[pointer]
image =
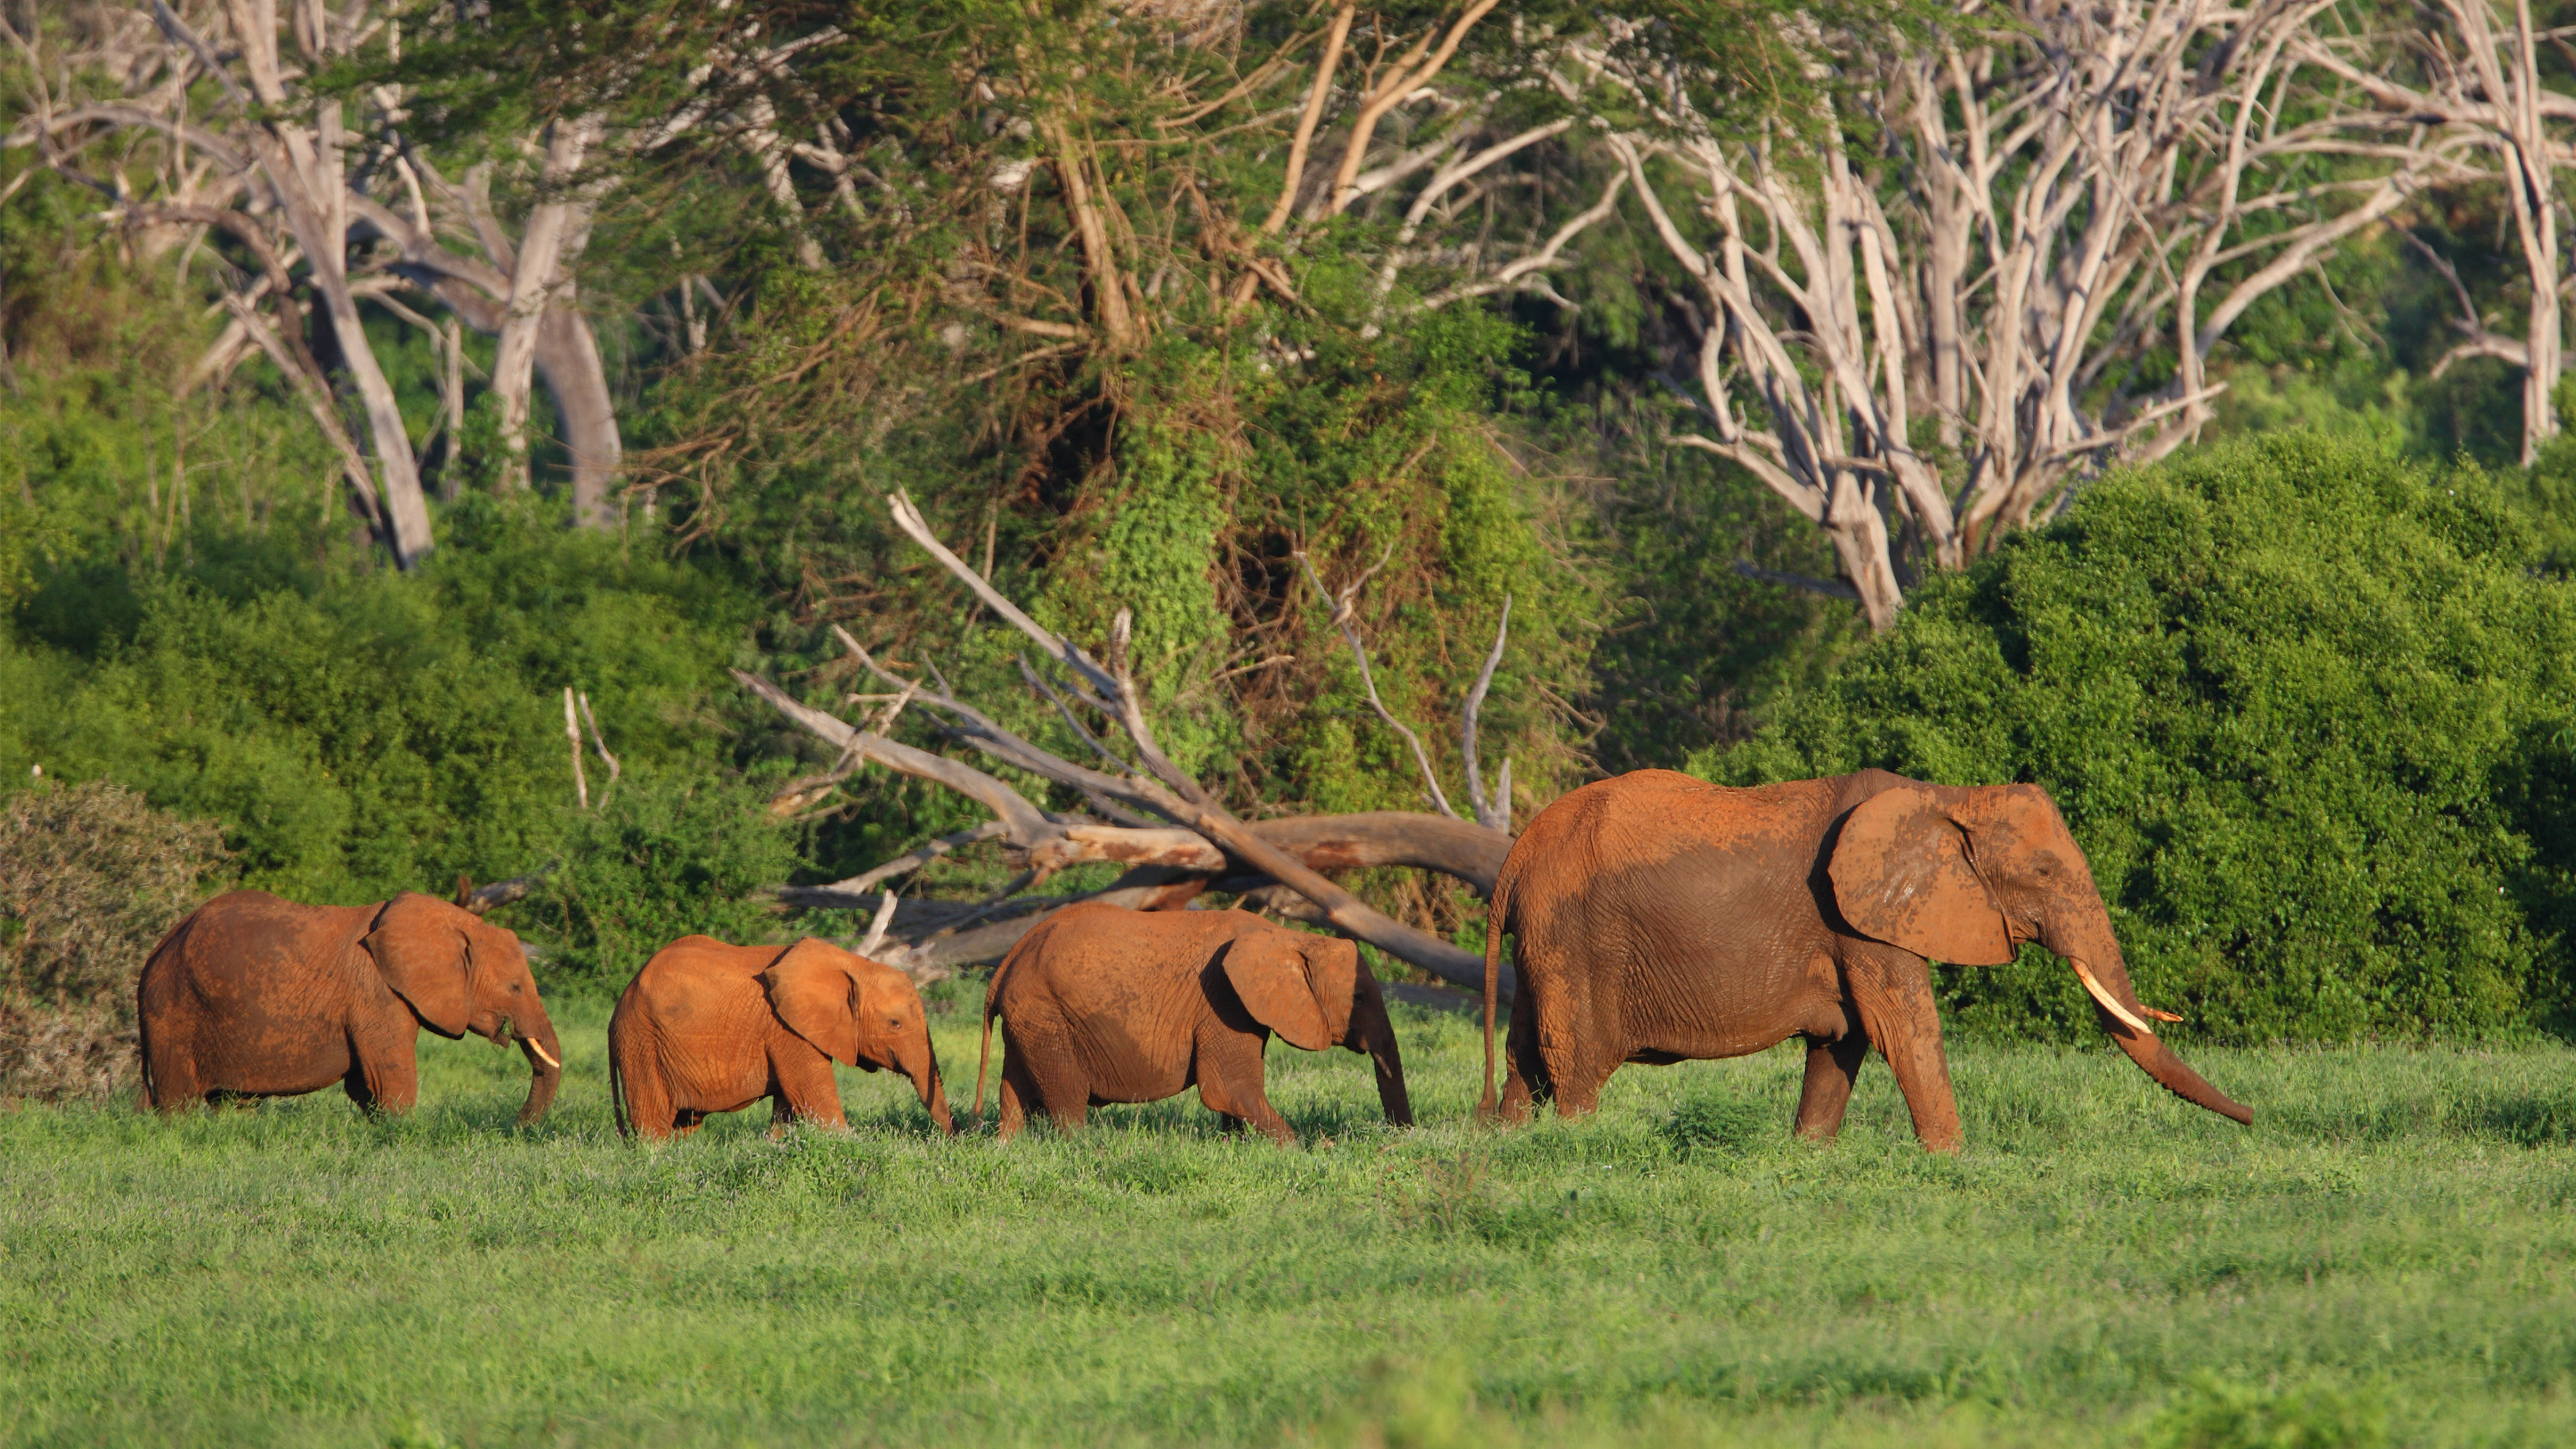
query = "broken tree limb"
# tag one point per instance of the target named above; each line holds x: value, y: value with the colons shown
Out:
x: 572, y: 732
x: 1494, y: 813
x: 1343, y: 614
x: 1020, y: 820
x: 1171, y: 793
x: 914, y: 859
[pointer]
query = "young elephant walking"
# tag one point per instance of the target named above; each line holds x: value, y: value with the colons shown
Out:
x: 260, y: 997
x: 1102, y: 1004
x: 711, y: 1027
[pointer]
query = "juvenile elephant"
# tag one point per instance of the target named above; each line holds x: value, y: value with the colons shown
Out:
x: 711, y: 1027
x: 1661, y: 919
x: 261, y: 997
x: 1102, y: 1004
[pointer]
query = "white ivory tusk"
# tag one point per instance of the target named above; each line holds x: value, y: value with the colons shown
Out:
x: 2109, y: 1002
x: 543, y: 1055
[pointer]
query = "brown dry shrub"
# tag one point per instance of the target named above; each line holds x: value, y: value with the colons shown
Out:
x: 91, y: 878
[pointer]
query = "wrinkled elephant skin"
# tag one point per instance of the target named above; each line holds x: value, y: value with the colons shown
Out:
x: 1102, y: 1004
x: 1660, y: 919
x: 711, y: 1027
x: 254, y: 996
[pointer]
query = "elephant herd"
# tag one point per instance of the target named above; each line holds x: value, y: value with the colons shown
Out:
x: 1657, y: 919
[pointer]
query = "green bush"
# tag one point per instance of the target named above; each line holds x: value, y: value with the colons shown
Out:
x: 358, y: 732
x: 659, y: 859
x: 2306, y: 707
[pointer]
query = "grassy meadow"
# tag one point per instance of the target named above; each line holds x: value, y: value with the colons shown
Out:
x: 2388, y: 1256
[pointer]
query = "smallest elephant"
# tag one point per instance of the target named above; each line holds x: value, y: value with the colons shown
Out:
x: 712, y: 1027
x: 1102, y: 1004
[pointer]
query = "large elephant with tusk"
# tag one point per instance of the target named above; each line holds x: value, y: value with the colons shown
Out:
x: 1658, y: 919
x: 254, y: 996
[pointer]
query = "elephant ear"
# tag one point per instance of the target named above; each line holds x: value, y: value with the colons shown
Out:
x: 1902, y: 875
x: 419, y: 946
x: 1269, y: 972
x: 812, y: 990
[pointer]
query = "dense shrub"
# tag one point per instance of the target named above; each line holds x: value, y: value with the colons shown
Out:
x: 2306, y: 707
x: 660, y: 859
x: 360, y: 733
x: 91, y: 877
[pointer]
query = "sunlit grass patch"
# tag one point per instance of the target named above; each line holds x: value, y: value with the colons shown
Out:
x: 2387, y: 1251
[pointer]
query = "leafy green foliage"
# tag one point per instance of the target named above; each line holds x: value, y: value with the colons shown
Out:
x: 361, y: 733
x: 2219, y: 1414
x: 2306, y: 707
x: 664, y: 856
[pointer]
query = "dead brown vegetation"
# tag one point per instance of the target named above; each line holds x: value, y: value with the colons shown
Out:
x: 91, y: 878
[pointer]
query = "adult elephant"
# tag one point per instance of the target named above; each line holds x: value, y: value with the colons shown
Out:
x: 1102, y: 1004
x: 711, y: 1027
x: 1662, y: 919
x: 260, y: 997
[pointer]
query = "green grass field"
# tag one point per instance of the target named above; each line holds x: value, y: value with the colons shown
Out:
x: 2384, y: 1257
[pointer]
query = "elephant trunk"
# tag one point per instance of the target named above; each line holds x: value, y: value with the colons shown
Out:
x: 2095, y: 955
x: 924, y: 1072
x: 1371, y: 1031
x: 544, y: 1051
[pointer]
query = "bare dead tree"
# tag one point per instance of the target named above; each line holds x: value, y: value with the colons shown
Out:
x: 2048, y: 193
x: 1176, y: 838
x: 2478, y: 74
x: 300, y: 182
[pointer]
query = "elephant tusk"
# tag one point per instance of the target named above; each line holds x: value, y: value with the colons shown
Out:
x: 2159, y: 1015
x: 543, y: 1055
x: 2109, y: 1002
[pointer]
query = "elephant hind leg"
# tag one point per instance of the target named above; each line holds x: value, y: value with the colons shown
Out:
x: 1525, y: 1080
x: 1041, y: 1068
x: 1017, y: 1093
x: 171, y: 1081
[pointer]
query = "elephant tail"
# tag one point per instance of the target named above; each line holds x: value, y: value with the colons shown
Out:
x: 618, y: 1107
x: 1497, y: 916
x: 992, y: 1003
x: 143, y: 1049
x: 145, y: 1010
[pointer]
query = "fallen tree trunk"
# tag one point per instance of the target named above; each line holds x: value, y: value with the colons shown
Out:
x: 1199, y: 844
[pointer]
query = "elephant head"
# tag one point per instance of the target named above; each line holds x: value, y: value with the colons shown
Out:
x: 1315, y: 992
x: 460, y: 973
x: 1964, y: 876
x: 859, y: 1012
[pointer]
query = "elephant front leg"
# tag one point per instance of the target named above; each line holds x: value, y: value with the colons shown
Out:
x: 384, y: 1068
x: 1831, y: 1067
x: 1227, y: 1065
x: 803, y: 1089
x: 1041, y: 1069
x: 1894, y: 993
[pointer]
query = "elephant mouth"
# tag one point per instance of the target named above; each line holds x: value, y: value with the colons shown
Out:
x: 509, y: 1032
